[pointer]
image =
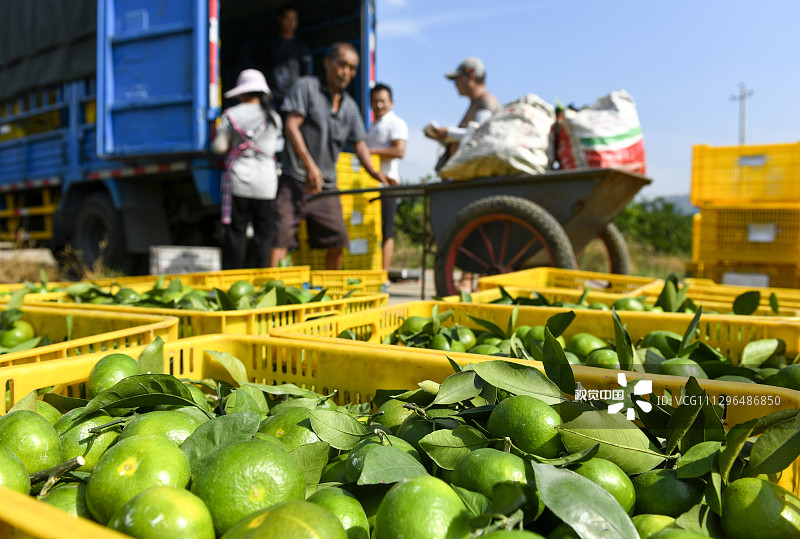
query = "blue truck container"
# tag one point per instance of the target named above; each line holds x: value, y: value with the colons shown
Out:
x: 106, y: 164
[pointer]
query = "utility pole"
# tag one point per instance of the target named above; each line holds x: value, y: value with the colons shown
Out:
x: 744, y: 94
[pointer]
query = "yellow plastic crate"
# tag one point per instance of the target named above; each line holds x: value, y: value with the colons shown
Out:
x: 362, y: 217
x: 745, y: 174
x: 356, y: 374
x: 370, y: 281
x: 729, y: 333
x: 751, y: 275
x: 572, y: 279
x: 92, y: 331
x: 708, y: 289
x: 762, y: 234
x: 239, y: 322
x: 649, y: 295
x: 697, y: 223
x: 297, y: 276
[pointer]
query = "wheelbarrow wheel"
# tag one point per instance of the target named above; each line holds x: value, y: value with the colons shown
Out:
x: 499, y: 234
x: 618, y: 257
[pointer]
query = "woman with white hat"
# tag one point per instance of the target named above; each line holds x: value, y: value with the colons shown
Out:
x: 247, y: 135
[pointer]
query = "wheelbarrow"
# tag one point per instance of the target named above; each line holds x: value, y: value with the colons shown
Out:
x: 497, y: 225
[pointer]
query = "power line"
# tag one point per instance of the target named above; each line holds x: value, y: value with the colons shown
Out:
x: 744, y: 94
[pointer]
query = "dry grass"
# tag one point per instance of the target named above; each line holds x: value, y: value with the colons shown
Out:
x: 19, y: 265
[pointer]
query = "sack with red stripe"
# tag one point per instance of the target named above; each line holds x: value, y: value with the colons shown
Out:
x: 606, y: 134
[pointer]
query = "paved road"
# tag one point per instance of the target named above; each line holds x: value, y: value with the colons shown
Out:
x: 401, y: 292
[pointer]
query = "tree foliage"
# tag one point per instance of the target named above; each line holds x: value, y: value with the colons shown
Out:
x: 657, y: 223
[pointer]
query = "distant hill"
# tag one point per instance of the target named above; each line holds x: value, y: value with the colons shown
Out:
x: 681, y: 203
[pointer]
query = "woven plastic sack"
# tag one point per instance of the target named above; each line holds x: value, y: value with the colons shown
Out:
x: 606, y: 134
x: 515, y: 140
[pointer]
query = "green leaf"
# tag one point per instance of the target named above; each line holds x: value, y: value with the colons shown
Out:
x: 698, y: 460
x: 387, y: 464
x: 477, y: 504
x: 491, y: 327
x: 458, y: 387
x: 566, y: 460
x: 232, y: 364
x: 713, y: 494
x: 701, y: 520
x: 284, y: 389
x: 69, y: 320
x: 755, y: 353
x: 446, y: 447
x: 776, y: 448
x: 43, y: 277
x: 556, y: 365
x: 64, y: 404
x: 747, y: 303
x: 28, y: 402
x: 340, y: 430
x: 466, y: 297
x: 558, y: 323
x: 585, y: 506
x: 240, y: 401
x: 628, y: 359
x: 773, y: 303
x: 688, y: 336
x: 312, y: 459
x: 151, y: 360
x: 223, y: 299
x: 30, y: 344
x: 141, y: 390
x: 268, y: 300
x: 620, y: 440
x: 518, y: 379
x: 667, y: 299
x: 685, y: 415
x: 17, y: 299
x: 216, y: 434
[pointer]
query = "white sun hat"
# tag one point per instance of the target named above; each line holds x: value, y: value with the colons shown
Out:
x: 249, y: 81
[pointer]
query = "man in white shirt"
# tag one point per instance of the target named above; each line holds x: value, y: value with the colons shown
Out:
x: 387, y: 138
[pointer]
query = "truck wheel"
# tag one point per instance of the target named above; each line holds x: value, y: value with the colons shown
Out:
x: 500, y: 234
x: 618, y: 257
x: 97, y: 233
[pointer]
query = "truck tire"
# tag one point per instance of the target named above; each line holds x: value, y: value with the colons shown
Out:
x: 500, y: 234
x: 97, y: 233
x: 618, y: 256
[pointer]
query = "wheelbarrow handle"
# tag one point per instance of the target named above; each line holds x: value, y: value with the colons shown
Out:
x: 392, y: 191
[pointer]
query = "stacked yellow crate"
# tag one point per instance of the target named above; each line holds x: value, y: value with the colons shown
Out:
x: 749, y: 232
x: 362, y: 216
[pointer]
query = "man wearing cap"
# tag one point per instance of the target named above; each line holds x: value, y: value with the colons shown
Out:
x: 320, y: 118
x: 470, y: 80
x: 247, y: 135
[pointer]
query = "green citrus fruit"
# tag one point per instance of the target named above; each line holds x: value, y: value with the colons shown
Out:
x: 488, y: 338
x: 604, y: 358
x: 484, y: 349
x: 370, y: 498
x: 466, y: 337
x: 241, y: 289
x: 628, y: 304
x: 67, y: 421
x: 584, y: 344
x: 48, y: 411
x: 70, y: 498
x: 413, y: 324
x: 648, y: 525
x: 76, y: 440
x: 246, y: 477
x: 734, y: 378
x: 110, y: 370
x: 788, y: 377
x: 512, y: 534
x: 440, y: 342
x: 598, y: 306
x: 563, y: 531
x: 660, y: 492
x: 522, y: 331
x: 296, y: 519
x: 666, y: 342
x: 530, y: 423
x: 126, y: 295
x: 752, y: 507
x: 17, y: 334
x: 681, y: 367
x: 611, y: 477
x: 393, y: 414
x: 173, y: 425
x: 572, y: 359
x: 198, y: 397
x: 456, y: 346
x: 130, y: 467
x: 164, y: 512
x: 537, y: 334
x: 422, y: 507
x: 32, y: 438
x: 13, y: 474
x: 354, y: 462
x: 413, y: 429
x: 677, y: 533
x: 346, y: 508
x: 292, y: 427
x: 482, y: 470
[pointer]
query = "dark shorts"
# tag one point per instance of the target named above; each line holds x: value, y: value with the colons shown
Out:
x: 323, y: 217
x: 388, y: 211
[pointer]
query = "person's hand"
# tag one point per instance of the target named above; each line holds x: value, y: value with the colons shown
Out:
x: 313, y: 179
x: 384, y: 179
x: 441, y: 134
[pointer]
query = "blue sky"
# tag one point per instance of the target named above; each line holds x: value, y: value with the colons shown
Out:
x: 681, y: 61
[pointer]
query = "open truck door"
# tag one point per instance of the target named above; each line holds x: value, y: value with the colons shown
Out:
x: 154, y: 78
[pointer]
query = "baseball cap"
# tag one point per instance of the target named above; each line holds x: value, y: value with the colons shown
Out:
x: 469, y: 65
